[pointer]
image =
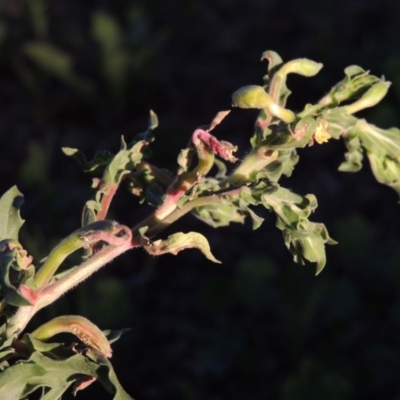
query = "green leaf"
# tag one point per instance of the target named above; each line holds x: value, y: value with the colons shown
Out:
x: 7, y: 350
x: 11, y: 221
x: 382, y: 142
x: 57, y: 63
x: 114, y: 335
x: 120, y: 393
x: 339, y: 121
x: 37, y: 345
x: 257, y: 221
x: 219, y: 215
x: 178, y: 242
x: 356, y: 82
x: 273, y: 58
x: 96, y: 166
x: 386, y: 170
x: 383, y: 151
x: 9, y: 290
x: 14, y: 380
x: 105, y: 29
x: 305, y: 240
x: 354, y: 154
x: 40, y: 371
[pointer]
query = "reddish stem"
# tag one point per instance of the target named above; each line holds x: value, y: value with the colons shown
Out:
x: 106, y: 201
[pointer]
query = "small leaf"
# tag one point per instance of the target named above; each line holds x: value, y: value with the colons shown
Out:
x: 10, y: 291
x: 218, y: 119
x: 11, y: 221
x: 219, y: 215
x: 114, y: 335
x: 273, y: 58
x: 96, y: 166
x: 178, y: 242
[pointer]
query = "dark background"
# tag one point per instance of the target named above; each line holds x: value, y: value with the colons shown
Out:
x: 258, y: 326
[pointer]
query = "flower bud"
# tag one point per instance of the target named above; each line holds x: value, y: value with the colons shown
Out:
x: 301, y: 66
x: 253, y: 96
x: 79, y: 326
x: 370, y: 98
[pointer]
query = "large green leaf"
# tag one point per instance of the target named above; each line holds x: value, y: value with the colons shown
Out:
x: 40, y: 371
x: 305, y: 239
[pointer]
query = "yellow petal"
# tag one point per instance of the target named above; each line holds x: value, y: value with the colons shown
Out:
x: 321, y: 134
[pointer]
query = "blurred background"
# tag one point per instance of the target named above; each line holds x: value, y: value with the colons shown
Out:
x: 82, y: 73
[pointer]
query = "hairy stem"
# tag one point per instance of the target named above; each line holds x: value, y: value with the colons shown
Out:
x: 254, y: 162
x: 55, y: 290
x: 106, y: 201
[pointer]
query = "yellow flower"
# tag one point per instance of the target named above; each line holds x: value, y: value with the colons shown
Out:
x: 321, y: 134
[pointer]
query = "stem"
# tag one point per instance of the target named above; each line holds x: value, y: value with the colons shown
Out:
x: 105, y: 202
x: 275, y: 88
x: 254, y: 162
x: 179, y: 187
x: 83, y: 237
x: 55, y: 290
x: 189, y: 206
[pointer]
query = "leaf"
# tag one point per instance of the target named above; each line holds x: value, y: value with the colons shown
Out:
x: 96, y: 166
x: 257, y: 221
x: 305, y: 240
x: 178, y: 242
x: 14, y: 379
x: 353, y: 156
x: 9, y: 290
x: 11, y: 221
x: 57, y: 63
x: 120, y: 393
x: 382, y: 142
x: 105, y: 29
x: 40, y: 371
x: 339, y: 121
x: 386, y: 170
x: 6, y: 346
x: 219, y: 215
x: 115, y: 61
x: 114, y: 335
x: 273, y: 58
x: 37, y: 345
x: 308, y: 245
x: 356, y: 82
x: 383, y: 151
x: 79, y: 326
x: 218, y: 119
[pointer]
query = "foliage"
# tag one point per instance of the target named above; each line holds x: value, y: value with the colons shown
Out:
x: 217, y: 196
